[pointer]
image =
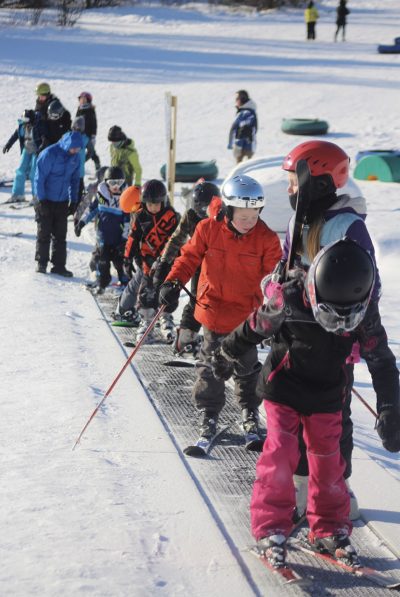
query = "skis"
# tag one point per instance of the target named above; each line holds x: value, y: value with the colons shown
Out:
x: 20, y: 205
x: 203, y: 445
x: 379, y: 578
x: 6, y: 182
x: 302, y: 203
x: 253, y: 442
x: 180, y: 362
x: 125, y: 324
x: 288, y: 575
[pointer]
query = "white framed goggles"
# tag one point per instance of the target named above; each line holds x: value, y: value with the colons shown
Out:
x: 115, y: 182
x: 335, y: 318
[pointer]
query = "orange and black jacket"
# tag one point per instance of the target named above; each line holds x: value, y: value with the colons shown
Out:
x: 149, y: 235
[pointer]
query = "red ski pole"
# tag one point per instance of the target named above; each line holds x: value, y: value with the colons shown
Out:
x: 365, y: 403
x: 112, y: 386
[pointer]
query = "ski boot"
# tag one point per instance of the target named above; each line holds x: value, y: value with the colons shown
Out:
x: 273, y: 549
x: 167, y: 327
x: 130, y: 317
x: 146, y: 316
x: 187, y: 341
x: 250, y: 420
x: 208, y: 424
x: 337, y: 546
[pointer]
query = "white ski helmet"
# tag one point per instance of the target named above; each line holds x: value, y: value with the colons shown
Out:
x: 243, y: 191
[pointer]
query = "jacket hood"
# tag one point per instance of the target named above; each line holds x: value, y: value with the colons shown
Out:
x: 70, y: 140
x: 251, y: 105
x: 347, y: 203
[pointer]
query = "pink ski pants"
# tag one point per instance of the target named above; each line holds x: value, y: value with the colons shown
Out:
x: 273, y: 499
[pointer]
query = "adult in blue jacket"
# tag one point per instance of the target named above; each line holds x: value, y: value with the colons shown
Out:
x: 56, y: 188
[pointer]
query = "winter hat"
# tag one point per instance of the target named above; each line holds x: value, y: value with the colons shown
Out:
x: 42, y: 89
x: 79, y: 124
x: 115, y: 134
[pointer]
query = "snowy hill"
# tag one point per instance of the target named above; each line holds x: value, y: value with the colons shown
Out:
x: 120, y: 515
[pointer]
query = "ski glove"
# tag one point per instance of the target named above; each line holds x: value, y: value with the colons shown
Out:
x: 72, y: 208
x: 388, y: 428
x: 221, y: 365
x: 78, y: 228
x: 169, y: 293
x: 6, y: 148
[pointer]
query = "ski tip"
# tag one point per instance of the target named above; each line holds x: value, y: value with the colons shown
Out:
x: 195, y: 451
x: 255, y: 445
x: 178, y: 363
x: 130, y: 344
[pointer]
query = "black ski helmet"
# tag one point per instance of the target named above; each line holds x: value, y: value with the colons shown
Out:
x: 154, y: 191
x: 114, y: 176
x: 55, y: 110
x: 339, y: 285
x: 202, y: 195
x: 28, y: 116
x: 116, y: 134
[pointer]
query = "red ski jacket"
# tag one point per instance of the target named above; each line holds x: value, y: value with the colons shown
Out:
x: 232, y: 267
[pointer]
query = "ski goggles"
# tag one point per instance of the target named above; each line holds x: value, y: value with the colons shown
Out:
x: 336, y: 318
x: 115, y: 182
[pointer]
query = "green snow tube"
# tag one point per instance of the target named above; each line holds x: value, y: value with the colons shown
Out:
x: 304, y: 126
x: 192, y: 171
x: 384, y: 167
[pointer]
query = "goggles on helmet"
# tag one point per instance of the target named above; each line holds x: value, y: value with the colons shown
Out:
x: 115, y: 182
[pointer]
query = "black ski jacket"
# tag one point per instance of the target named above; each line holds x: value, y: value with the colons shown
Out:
x: 305, y: 368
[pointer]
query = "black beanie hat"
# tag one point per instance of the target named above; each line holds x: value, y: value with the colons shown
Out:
x: 115, y: 134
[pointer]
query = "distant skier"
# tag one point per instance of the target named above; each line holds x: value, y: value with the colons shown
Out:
x: 311, y: 17
x: 313, y: 320
x: 341, y: 19
x: 124, y: 155
x: 87, y: 110
x: 242, y: 136
x: 234, y: 251
x: 112, y: 229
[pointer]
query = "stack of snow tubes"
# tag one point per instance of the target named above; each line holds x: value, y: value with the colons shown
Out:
x: 395, y: 49
x: 378, y: 165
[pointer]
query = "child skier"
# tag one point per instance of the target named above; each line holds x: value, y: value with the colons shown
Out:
x: 151, y: 228
x: 124, y: 155
x: 313, y: 321
x: 187, y: 338
x: 112, y: 228
x: 235, y: 252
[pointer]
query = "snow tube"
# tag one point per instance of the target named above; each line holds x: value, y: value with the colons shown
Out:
x: 384, y: 167
x: 362, y: 154
x: 304, y: 126
x: 397, y: 41
x: 192, y: 171
x: 389, y: 49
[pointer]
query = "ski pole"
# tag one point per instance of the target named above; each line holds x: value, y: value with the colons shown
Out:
x: 112, y: 386
x: 191, y: 295
x: 365, y: 403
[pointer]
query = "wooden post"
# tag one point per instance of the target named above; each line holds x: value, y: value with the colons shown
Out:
x: 171, y: 105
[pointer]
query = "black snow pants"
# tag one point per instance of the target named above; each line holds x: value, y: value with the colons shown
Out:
x: 51, y: 218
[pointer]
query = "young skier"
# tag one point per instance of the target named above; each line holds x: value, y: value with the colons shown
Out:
x: 151, y: 228
x: 313, y: 321
x: 124, y: 155
x: 234, y: 251
x: 112, y: 228
x: 203, y: 194
x: 242, y: 136
x: 330, y: 216
x: 88, y: 111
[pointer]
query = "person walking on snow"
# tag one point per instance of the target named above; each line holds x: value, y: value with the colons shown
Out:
x: 28, y: 134
x: 313, y: 320
x: 205, y: 197
x: 125, y: 156
x: 112, y: 229
x: 151, y: 228
x: 330, y: 216
x: 341, y: 18
x: 242, y: 136
x: 87, y: 110
x: 235, y: 251
x: 56, y: 187
x: 311, y: 17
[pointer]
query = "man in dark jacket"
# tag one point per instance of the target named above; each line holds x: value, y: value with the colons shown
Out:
x: 56, y: 120
x: 56, y: 189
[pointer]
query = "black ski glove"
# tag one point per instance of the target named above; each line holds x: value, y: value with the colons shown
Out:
x: 6, y: 148
x: 160, y: 272
x: 222, y: 366
x: 78, y: 228
x: 169, y: 293
x: 72, y: 208
x: 388, y: 428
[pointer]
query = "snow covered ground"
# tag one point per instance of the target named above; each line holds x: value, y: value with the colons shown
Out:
x: 120, y: 516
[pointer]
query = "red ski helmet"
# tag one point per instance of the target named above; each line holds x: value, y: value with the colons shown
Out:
x: 322, y: 157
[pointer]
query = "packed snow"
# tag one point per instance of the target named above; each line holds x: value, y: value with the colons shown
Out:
x: 120, y: 515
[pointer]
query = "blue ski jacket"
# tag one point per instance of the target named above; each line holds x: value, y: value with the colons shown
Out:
x: 58, y: 171
x: 244, y: 128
